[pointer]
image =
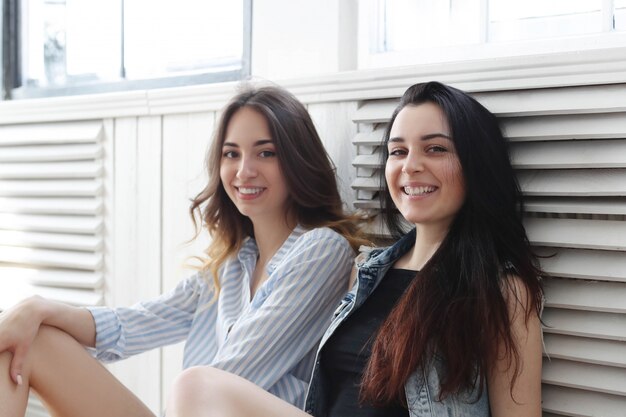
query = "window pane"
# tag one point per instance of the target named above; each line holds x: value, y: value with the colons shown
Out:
x: 540, y: 19
x: 181, y: 37
x: 68, y: 41
x: 415, y: 24
x: 67, y: 44
x: 620, y: 14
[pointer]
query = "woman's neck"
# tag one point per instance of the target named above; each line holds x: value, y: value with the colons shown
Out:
x: 427, y: 241
x: 269, y: 237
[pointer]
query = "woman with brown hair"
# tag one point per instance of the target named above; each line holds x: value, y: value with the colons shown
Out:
x: 443, y: 323
x: 279, y: 261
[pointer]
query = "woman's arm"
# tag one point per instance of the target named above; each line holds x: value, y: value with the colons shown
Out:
x: 19, y: 326
x: 125, y: 331
x: 524, y: 399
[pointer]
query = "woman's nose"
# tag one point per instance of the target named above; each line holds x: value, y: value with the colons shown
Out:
x: 413, y: 163
x: 247, y: 168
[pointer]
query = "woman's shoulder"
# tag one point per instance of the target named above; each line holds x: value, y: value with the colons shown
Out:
x: 322, y: 235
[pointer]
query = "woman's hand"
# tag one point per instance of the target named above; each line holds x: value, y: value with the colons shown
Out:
x: 18, y: 328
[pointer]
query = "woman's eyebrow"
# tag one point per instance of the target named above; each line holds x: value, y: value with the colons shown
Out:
x: 428, y: 136
x: 257, y: 143
x: 436, y: 135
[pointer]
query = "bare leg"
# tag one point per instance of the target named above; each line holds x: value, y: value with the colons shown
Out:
x: 13, y: 398
x: 68, y: 381
x: 208, y: 392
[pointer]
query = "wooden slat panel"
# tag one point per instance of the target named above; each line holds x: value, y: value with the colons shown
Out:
x: 611, y: 205
x: 50, y: 153
x: 51, y: 258
x: 580, y: 403
x: 585, y: 324
x: 35, y: 409
x: 378, y: 111
x: 367, y: 184
x: 575, y: 233
x: 56, y: 224
x: 366, y: 161
x: 580, y: 349
x: 76, y: 188
x: 373, y: 138
x: 54, y: 278
x: 51, y: 133
x: 574, y: 183
x: 61, y: 206
x: 585, y: 264
x: 70, y: 296
x: 51, y: 240
x: 569, y: 154
x: 584, y: 234
x: 605, y: 379
x: 580, y: 126
x: 50, y: 170
x: 555, y: 101
x: 76, y: 297
x: 586, y: 295
x: 367, y: 204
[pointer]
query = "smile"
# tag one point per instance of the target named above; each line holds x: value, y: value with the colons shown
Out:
x: 415, y: 191
x: 250, y: 190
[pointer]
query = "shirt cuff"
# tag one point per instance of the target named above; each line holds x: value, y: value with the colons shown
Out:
x: 107, y: 333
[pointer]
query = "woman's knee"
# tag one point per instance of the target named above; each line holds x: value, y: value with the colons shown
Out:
x: 194, y: 384
x: 202, y: 391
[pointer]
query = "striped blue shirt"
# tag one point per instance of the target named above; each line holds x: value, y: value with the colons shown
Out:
x: 270, y: 340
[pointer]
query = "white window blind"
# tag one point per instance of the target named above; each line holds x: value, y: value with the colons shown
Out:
x: 51, y: 223
x: 569, y: 150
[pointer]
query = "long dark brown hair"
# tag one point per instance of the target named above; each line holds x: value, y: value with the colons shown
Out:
x: 457, y: 308
x: 305, y: 165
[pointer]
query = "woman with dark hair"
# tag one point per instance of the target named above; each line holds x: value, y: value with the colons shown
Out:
x: 446, y: 321
x: 278, y: 263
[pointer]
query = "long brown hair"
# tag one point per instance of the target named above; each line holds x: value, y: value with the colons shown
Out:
x: 456, y: 308
x: 307, y: 168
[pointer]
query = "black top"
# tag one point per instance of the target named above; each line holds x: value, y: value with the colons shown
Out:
x: 348, y: 350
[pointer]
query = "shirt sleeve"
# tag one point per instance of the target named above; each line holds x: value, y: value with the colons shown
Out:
x: 126, y: 331
x: 290, y: 311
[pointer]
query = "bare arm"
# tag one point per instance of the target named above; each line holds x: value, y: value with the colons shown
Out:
x: 75, y: 321
x: 524, y: 400
x: 19, y: 326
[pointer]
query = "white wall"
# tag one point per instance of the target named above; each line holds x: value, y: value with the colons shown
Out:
x: 293, y: 39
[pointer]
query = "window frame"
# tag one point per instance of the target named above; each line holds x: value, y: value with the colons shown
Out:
x: 11, y: 71
x: 371, y: 55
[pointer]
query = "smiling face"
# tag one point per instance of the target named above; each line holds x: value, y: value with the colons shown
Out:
x: 250, y: 170
x: 423, y: 172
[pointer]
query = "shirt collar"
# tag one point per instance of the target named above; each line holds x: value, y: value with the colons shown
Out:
x: 249, y: 250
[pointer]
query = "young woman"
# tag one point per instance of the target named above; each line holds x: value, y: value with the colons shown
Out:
x: 278, y: 263
x: 446, y: 321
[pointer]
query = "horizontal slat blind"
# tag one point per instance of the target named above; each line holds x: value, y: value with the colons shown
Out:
x: 568, y: 146
x: 51, y: 212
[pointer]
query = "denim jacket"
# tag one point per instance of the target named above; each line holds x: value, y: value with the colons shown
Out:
x: 422, y: 387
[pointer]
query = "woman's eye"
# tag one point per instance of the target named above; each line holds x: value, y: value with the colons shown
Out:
x: 229, y: 154
x: 436, y: 149
x: 267, y: 154
x: 397, y: 152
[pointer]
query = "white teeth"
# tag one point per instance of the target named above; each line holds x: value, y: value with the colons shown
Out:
x: 419, y: 190
x: 255, y: 190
